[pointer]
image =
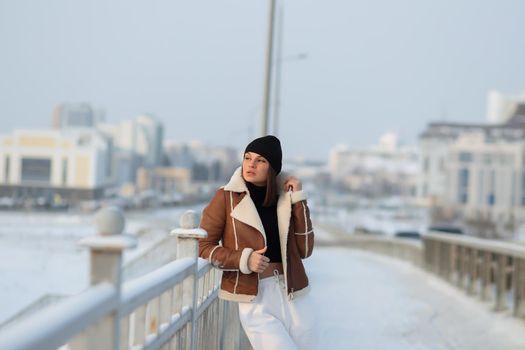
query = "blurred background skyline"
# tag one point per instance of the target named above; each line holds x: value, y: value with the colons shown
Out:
x: 198, y: 66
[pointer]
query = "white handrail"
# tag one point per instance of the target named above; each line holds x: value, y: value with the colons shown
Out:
x: 170, y: 306
x: 139, y: 291
x: 54, y: 326
x: 500, y: 247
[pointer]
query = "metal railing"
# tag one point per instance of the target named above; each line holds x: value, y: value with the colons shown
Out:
x: 173, y: 307
x: 494, y: 270
x: 404, y: 249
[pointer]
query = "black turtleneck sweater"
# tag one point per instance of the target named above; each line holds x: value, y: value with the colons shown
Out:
x: 268, y: 217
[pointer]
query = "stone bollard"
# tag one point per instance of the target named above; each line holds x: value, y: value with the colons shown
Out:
x: 188, y: 235
x: 106, y: 250
x: 188, y: 247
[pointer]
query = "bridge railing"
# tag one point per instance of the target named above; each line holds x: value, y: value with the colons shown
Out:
x: 173, y: 307
x: 408, y: 250
x: 494, y: 270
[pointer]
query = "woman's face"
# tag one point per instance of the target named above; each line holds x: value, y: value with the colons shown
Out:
x: 255, y: 168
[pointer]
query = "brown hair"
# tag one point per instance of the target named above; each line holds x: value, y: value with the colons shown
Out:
x: 271, y: 188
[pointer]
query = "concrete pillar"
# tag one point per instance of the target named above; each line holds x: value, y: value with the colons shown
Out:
x: 106, y: 266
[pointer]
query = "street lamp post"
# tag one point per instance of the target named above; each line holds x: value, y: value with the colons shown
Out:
x: 268, y: 79
x: 265, y: 117
x: 278, y: 71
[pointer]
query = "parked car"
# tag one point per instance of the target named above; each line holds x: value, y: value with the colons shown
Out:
x: 7, y: 203
x: 408, y: 234
x: 446, y: 229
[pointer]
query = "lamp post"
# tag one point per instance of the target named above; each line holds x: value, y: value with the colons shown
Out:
x: 278, y: 71
x: 268, y: 78
x: 265, y: 117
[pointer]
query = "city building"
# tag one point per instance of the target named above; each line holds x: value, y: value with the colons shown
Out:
x: 207, y: 163
x: 476, y: 169
x: 71, y: 115
x: 314, y: 176
x: 166, y: 181
x: 487, y: 177
x: 74, y: 164
x: 387, y: 168
x: 149, y: 139
x: 434, y: 145
x: 501, y: 107
x: 138, y: 143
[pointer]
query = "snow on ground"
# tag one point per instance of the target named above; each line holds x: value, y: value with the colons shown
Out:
x: 365, y: 301
x: 40, y: 255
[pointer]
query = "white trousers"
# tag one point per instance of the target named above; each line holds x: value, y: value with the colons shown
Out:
x: 273, y: 322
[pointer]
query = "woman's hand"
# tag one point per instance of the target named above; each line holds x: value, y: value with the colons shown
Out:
x: 257, y: 262
x: 292, y: 182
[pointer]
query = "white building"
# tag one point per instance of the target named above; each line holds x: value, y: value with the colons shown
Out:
x: 385, y: 169
x: 500, y: 107
x: 138, y: 143
x: 486, y: 176
x: 340, y: 161
x: 74, y: 164
x: 475, y: 169
x: 434, y: 148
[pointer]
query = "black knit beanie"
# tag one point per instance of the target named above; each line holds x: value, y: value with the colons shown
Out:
x: 270, y: 148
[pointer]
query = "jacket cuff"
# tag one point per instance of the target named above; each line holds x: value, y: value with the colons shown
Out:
x: 243, y: 262
x: 298, y: 196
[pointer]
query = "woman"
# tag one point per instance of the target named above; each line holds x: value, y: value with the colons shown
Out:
x: 259, y: 229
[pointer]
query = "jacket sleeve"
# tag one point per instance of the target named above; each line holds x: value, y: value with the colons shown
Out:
x: 210, y: 248
x: 302, y: 225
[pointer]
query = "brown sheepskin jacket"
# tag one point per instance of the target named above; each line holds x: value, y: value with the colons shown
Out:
x: 235, y: 230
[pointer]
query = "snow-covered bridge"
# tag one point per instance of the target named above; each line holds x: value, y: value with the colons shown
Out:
x: 368, y: 293
x: 370, y: 301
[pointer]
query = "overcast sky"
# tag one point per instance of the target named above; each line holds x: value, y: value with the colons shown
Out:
x: 198, y: 66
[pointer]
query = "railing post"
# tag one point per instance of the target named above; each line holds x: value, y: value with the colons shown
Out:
x: 501, y: 283
x: 106, y: 266
x: 427, y: 248
x: 473, y: 271
x: 436, y: 255
x: 452, y: 262
x: 486, y: 269
x: 188, y: 247
x: 519, y: 287
x: 462, y: 253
